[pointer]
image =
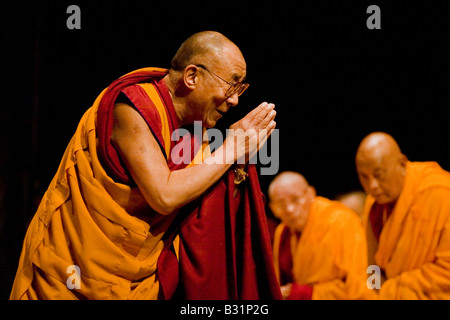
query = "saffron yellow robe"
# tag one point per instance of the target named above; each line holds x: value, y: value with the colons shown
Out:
x: 84, y: 220
x: 331, y: 253
x: 414, y: 244
x: 94, y: 220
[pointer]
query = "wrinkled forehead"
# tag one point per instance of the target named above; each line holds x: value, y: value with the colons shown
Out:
x: 363, y: 162
x: 231, y: 63
x: 374, y: 163
x: 369, y: 157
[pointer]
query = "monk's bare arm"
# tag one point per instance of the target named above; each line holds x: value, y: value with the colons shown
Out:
x: 164, y: 190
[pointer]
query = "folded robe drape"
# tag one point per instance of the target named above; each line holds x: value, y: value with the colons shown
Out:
x: 330, y: 255
x: 225, y: 250
x: 284, y: 244
x: 414, y: 243
x: 84, y: 220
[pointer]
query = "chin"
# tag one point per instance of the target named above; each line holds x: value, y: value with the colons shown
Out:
x: 210, y: 123
x: 298, y: 227
x: 383, y: 200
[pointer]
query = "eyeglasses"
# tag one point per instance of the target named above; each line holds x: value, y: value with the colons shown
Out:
x: 234, y: 87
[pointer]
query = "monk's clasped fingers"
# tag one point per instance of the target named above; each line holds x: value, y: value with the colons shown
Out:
x: 259, y: 119
x: 264, y: 116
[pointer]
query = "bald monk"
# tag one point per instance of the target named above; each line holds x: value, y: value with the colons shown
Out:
x: 114, y: 222
x: 407, y: 218
x: 354, y: 200
x: 320, y: 252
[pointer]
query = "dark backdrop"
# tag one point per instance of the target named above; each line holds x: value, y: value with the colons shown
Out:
x: 333, y: 81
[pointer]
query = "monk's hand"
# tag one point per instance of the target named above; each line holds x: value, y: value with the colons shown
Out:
x: 259, y: 118
x: 286, y: 290
x: 251, y: 132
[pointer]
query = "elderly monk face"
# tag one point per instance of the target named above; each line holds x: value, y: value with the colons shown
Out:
x: 221, y: 81
x: 206, y: 78
x: 381, y: 167
x: 290, y: 199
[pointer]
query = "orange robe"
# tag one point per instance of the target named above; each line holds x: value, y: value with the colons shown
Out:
x: 330, y: 255
x: 414, y: 243
x: 83, y: 220
x: 90, y: 219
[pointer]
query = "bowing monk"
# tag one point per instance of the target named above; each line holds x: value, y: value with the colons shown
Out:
x: 407, y: 218
x: 131, y: 215
x: 319, y: 247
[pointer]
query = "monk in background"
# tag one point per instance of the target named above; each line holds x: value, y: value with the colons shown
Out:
x: 407, y: 220
x: 354, y: 200
x: 320, y: 250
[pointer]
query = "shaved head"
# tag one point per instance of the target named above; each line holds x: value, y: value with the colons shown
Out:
x: 381, y: 167
x: 208, y: 70
x: 376, y: 146
x: 206, y: 44
x: 288, y: 178
x: 290, y: 198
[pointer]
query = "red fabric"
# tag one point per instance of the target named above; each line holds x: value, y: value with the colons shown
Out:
x: 147, y: 109
x: 168, y: 269
x: 225, y: 250
x: 376, y: 217
x: 285, y: 257
x: 106, y: 151
x: 300, y: 292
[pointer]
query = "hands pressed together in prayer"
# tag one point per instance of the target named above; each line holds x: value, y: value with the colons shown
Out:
x: 249, y: 134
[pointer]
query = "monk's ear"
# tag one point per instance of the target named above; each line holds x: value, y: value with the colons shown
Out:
x: 190, y: 76
x: 312, y: 191
x: 271, y: 207
x: 403, y: 160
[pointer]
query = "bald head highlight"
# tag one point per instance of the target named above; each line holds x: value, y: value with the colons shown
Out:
x: 193, y: 50
x: 287, y: 177
x: 377, y: 146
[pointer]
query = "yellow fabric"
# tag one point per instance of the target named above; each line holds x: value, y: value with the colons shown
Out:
x: 85, y: 219
x: 331, y: 253
x: 154, y: 96
x: 203, y: 152
x: 414, y: 245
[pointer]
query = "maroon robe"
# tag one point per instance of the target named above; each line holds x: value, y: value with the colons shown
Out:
x: 225, y: 250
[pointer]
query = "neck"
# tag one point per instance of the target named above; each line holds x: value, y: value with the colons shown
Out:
x: 179, y: 103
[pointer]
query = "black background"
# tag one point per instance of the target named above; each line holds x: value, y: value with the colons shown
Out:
x: 332, y: 79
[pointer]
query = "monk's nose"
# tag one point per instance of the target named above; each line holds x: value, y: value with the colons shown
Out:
x: 373, y: 185
x: 233, y: 100
x: 290, y: 208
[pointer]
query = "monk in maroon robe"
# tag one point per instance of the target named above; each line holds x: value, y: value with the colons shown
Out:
x: 124, y: 218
